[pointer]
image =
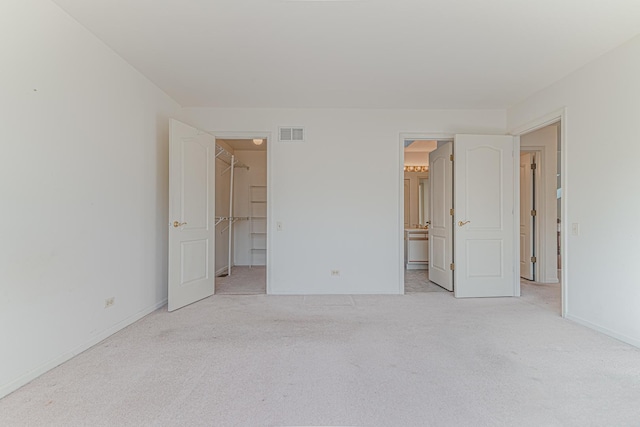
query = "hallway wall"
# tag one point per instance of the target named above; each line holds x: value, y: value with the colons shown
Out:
x: 601, y: 152
x: 84, y: 190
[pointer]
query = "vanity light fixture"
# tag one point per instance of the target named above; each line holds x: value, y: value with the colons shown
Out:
x: 416, y: 168
x: 258, y: 141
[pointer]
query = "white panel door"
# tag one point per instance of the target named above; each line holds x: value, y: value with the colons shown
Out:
x: 441, y: 228
x: 191, y: 212
x: 526, y: 219
x: 484, y: 216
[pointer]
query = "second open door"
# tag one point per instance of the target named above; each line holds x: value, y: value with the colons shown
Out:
x: 472, y: 236
x: 485, y: 253
x: 440, y: 205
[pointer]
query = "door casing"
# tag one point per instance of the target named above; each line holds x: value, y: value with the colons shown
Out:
x: 557, y: 116
x: 266, y: 135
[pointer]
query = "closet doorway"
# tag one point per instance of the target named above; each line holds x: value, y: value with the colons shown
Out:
x: 241, y: 215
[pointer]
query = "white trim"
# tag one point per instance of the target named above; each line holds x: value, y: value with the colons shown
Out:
x: 240, y: 135
x: 555, y: 117
x: 539, y: 123
x: 435, y: 136
x: 35, y: 373
x: 602, y: 329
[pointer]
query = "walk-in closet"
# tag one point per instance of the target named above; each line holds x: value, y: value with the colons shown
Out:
x: 241, y: 216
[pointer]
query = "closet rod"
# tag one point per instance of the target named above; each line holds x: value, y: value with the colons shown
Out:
x: 233, y: 161
x: 228, y: 158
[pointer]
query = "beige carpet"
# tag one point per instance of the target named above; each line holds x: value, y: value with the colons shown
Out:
x: 243, y: 281
x: 422, y: 359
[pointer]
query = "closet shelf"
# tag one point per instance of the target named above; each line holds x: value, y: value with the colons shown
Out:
x: 257, y: 228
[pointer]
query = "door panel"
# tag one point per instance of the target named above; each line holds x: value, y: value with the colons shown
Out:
x: 484, y: 221
x: 440, y: 231
x: 191, y: 212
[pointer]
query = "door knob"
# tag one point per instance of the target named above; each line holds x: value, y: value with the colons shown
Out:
x: 177, y: 224
x: 462, y: 224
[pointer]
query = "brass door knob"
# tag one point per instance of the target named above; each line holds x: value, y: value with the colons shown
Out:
x: 462, y: 224
x: 177, y: 224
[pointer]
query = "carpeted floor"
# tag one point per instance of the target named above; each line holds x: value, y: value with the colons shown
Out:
x: 422, y: 359
x: 252, y: 280
x: 243, y: 281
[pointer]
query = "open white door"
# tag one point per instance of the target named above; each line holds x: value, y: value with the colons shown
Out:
x: 484, y: 216
x: 441, y: 230
x: 191, y: 212
x: 526, y: 216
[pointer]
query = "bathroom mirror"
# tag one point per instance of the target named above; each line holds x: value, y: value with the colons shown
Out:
x: 416, y: 181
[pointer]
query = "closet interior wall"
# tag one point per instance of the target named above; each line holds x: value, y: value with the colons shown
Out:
x: 250, y: 201
x: 225, y: 218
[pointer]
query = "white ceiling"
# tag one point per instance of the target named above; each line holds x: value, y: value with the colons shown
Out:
x: 417, y: 153
x: 421, y: 146
x: 244, y: 144
x: 362, y: 54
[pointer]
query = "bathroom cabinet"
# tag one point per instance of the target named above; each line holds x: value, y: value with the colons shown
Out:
x: 416, y: 248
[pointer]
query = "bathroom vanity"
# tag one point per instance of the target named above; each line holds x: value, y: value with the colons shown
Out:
x: 416, y: 248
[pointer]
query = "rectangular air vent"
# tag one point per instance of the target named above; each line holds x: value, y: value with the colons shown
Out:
x: 291, y: 134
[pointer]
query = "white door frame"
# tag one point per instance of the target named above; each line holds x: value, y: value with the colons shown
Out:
x: 408, y: 135
x: 558, y: 116
x: 267, y: 137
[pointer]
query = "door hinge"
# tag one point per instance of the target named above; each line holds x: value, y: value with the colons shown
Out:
x: 451, y: 157
x: 452, y: 266
x: 534, y: 212
x: 534, y: 259
x: 534, y: 166
x: 451, y: 212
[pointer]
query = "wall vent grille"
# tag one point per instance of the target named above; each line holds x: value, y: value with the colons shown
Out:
x: 295, y: 134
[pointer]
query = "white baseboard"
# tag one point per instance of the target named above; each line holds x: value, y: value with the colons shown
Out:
x: 221, y: 270
x: 629, y: 340
x: 35, y: 373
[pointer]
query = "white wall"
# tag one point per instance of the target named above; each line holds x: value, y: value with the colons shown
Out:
x: 83, y: 184
x: 545, y: 140
x: 339, y: 210
x: 602, y: 149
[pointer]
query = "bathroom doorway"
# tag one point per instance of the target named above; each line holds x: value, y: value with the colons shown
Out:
x: 416, y: 204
